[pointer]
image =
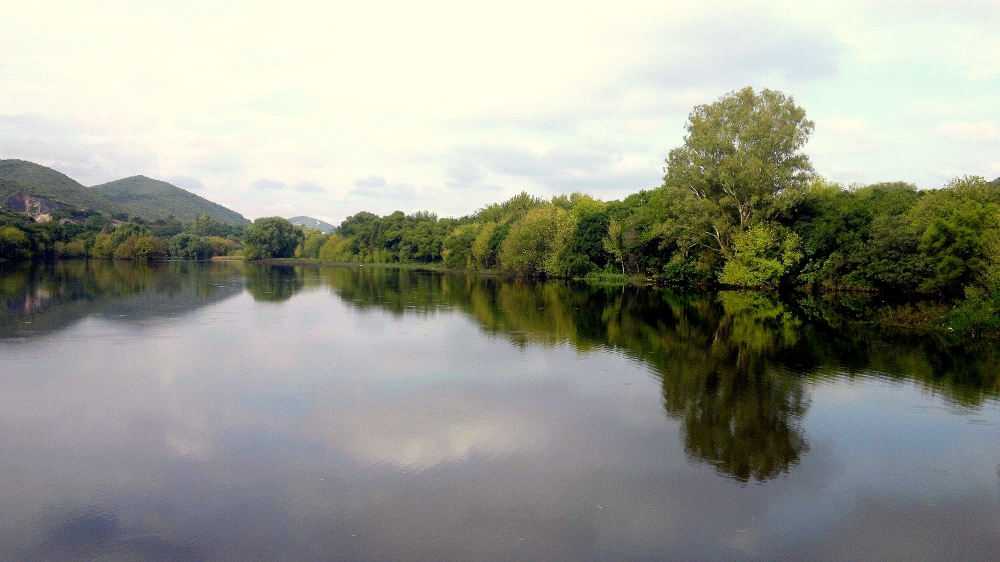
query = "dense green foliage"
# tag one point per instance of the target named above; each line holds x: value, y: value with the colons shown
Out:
x: 271, y: 237
x: 100, y: 237
x: 741, y: 161
x: 188, y: 246
x: 888, y: 236
x: 154, y: 199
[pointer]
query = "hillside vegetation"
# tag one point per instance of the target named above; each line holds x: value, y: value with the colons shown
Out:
x: 155, y: 199
x: 19, y: 177
x: 147, y: 219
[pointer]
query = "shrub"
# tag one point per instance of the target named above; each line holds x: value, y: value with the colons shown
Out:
x: 72, y: 249
x: 762, y: 255
x: 187, y: 246
x: 14, y: 245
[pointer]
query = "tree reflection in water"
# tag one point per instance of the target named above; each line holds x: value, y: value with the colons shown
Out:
x: 715, y: 353
x: 741, y: 413
x: 272, y: 284
x: 48, y: 297
x: 733, y: 364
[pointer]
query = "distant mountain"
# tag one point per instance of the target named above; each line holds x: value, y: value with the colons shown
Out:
x: 23, y: 183
x: 324, y: 227
x: 155, y: 199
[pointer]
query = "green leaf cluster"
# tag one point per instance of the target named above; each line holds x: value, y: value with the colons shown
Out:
x: 271, y: 237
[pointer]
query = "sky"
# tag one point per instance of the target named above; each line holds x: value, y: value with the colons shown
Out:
x: 330, y: 108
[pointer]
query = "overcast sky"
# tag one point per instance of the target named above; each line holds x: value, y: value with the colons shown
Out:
x: 329, y: 108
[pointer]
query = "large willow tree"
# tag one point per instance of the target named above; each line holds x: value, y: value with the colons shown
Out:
x: 741, y: 161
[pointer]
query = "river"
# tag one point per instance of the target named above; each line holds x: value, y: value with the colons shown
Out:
x: 227, y: 411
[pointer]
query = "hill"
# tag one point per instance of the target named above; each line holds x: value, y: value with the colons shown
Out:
x: 155, y: 199
x: 324, y: 227
x: 22, y: 178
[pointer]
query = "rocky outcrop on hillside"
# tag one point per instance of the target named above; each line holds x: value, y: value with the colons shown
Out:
x: 34, y: 205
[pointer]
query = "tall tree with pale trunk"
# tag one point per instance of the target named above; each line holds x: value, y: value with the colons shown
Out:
x: 742, y: 160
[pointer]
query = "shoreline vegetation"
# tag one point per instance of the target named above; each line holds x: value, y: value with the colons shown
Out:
x: 596, y: 277
x: 740, y: 206
x: 921, y: 314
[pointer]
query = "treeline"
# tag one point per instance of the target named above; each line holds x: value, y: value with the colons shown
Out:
x: 99, y: 236
x: 524, y: 236
x: 886, y: 236
x: 740, y: 205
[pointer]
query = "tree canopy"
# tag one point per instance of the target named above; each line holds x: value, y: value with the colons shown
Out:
x: 271, y: 237
x: 741, y: 160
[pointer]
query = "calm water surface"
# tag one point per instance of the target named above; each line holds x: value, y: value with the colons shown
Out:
x: 233, y: 412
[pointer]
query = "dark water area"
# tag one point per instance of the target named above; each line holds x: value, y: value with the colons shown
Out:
x: 225, y: 411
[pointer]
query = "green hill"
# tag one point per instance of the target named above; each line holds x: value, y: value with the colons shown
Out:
x: 324, y: 227
x: 18, y: 177
x: 154, y: 199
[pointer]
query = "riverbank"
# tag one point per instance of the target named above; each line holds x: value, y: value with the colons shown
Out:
x: 914, y: 315
x: 598, y: 277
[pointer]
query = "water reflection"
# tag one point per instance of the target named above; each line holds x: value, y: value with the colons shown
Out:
x: 386, y: 414
x: 733, y: 364
x: 51, y: 297
x: 93, y: 533
x: 742, y: 412
x: 272, y: 284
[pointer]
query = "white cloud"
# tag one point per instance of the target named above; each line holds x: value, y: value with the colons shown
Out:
x: 187, y: 182
x: 840, y: 136
x: 733, y: 47
x: 308, y: 187
x: 65, y: 146
x: 264, y: 183
x: 376, y: 187
x: 462, y: 104
x: 371, y: 182
x: 983, y: 131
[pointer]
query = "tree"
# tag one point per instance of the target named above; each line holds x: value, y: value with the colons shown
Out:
x: 14, y: 245
x: 188, y: 246
x: 129, y: 229
x: 457, y: 251
x: 532, y: 245
x: 762, y: 255
x: 336, y: 248
x: 592, y: 222
x: 141, y: 248
x: 741, y: 157
x: 957, y: 223
x: 271, y: 237
x: 486, y: 246
x: 312, y: 242
x: 614, y: 243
